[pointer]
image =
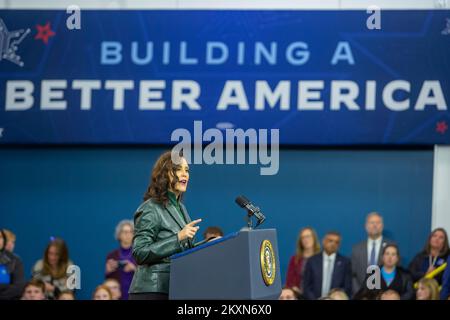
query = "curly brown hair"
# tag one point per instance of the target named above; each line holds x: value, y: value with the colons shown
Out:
x: 160, y: 180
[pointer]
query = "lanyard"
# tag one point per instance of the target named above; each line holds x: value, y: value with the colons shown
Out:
x: 432, y: 260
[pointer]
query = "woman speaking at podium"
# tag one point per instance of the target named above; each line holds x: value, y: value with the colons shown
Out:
x: 162, y: 228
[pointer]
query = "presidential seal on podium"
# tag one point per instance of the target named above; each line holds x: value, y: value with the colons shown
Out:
x: 267, y: 259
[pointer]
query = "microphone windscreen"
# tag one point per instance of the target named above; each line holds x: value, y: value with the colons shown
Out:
x: 242, y: 201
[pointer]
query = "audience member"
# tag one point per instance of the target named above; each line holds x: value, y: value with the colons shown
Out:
x: 212, y: 233
x: 392, y: 276
x: 120, y: 263
x: 12, y: 280
x: 288, y: 294
x: 338, y: 294
x: 34, y: 290
x: 389, y: 295
x: 434, y: 254
x: 327, y: 270
x: 445, y: 291
x: 66, y: 295
x: 102, y: 292
x: 52, y: 268
x: 114, y: 287
x: 368, y: 252
x: 307, y: 246
x: 10, y: 240
x: 428, y: 289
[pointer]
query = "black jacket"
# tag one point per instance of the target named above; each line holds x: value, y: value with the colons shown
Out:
x: 402, y: 283
x: 14, y: 267
x: 416, y: 267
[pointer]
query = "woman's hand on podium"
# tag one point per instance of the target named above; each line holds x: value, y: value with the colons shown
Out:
x: 189, y: 230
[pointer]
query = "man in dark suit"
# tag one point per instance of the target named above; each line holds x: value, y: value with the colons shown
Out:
x: 327, y: 270
x: 368, y: 252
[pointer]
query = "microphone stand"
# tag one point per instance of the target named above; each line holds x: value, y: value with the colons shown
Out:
x: 249, y: 220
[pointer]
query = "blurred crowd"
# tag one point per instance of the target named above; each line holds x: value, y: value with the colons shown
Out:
x: 373, y: 272
x: 49, y: 278
x: 317, y: 271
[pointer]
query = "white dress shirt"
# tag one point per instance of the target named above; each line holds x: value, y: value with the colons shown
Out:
x: 327, y: 272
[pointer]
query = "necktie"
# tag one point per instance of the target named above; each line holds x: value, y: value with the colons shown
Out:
x: 373, y: 260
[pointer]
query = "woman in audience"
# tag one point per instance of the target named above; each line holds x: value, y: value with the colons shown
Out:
x: 52, y: 269
x: 34, y: 290
x: 120, y: 264
x: 307, y: 245
x: 433, y: 256
x: 392, y: 276
x: 428, y: 289
x: 102, y: 292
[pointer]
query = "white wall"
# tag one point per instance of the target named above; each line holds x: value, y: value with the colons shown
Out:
x: 441, y: 188
x: 225, y: 4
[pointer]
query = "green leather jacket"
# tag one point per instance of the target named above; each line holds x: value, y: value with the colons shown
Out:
x: 155, y: 239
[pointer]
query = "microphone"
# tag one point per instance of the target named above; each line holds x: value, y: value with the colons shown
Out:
x: 243, y: 202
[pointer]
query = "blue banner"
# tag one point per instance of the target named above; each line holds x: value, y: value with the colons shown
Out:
x: 320, y: 77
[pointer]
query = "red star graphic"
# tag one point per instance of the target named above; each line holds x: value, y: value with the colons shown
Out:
x: 44, y: 32
x: 441, y: 127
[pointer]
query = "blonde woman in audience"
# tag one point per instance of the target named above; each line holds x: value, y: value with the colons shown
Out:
x: 428, y: 289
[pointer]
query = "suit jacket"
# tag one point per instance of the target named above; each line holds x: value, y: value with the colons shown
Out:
x: 312, y: 282
x: 359, y: 262
x: 155, y: 240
